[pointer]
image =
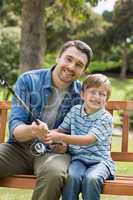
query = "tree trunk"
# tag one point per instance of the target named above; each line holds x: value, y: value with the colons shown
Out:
x: 33, y: 35
x: 124, y: 63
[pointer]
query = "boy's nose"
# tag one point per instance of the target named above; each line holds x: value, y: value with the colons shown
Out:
x: 97, y: 94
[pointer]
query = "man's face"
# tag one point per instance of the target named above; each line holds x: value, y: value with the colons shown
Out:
x: 71, y: 64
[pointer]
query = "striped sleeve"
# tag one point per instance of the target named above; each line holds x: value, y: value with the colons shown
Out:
x: 65, y: 126
x: 102, y: 129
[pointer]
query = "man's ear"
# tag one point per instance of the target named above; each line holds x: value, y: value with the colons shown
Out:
x: 82, y: 94
x: 57, y: 59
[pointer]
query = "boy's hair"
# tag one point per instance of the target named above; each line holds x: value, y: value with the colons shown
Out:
x: 97, y: 80
x: 82, y: 46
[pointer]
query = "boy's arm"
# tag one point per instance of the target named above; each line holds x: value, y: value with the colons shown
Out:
x: 70, y: 139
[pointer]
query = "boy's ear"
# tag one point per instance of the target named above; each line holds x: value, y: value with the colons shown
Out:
x: 82, y: 94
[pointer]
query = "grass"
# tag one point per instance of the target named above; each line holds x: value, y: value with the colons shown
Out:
x: 121, y: 89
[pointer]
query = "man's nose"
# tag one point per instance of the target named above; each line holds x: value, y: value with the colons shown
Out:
x: 71, y: 66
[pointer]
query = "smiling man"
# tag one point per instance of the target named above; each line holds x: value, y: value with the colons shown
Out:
x: 49, y: 94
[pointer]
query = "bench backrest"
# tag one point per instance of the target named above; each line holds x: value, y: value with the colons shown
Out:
x: 4, y: 107
x: 125, y: 106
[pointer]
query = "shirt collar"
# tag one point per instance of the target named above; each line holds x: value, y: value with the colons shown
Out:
x: 48, y: 78
x: 74, y: 87
x: 92, y: 116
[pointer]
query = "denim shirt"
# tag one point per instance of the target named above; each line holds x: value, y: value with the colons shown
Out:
x: 34, y: 88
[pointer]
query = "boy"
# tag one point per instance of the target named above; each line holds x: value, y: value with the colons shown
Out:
x: 90, y: 126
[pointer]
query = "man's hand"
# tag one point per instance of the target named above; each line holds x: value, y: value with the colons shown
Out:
x: 40, y: 131
x: 54, y: 141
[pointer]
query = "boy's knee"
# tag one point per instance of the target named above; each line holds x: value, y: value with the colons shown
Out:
x: 93, y: 180
x: 74, y: 176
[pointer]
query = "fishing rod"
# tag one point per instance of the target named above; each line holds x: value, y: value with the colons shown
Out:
x: 3, y: 82
x: 37, y: 147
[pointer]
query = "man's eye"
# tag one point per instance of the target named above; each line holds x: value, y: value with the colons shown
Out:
x: 68, y: 59
x: 79, y: 66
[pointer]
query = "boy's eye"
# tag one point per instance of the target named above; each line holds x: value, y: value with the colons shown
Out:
x: 102, y: 94
x: 93, y: 92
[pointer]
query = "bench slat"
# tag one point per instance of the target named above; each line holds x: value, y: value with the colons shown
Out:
x: 122, y: 156
x: 123, y: 185
x: 119, y: 186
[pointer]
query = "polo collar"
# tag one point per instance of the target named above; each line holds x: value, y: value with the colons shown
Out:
x: 92, y: 116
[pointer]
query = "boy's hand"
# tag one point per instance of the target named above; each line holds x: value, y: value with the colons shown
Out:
x: 53, y: 136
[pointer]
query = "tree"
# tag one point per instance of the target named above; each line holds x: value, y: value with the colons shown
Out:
x: 123, y: 26
x: 33, y: 28
x: 121, y: 32
x: 33, y: 42
x: 9, y: 54
x: 33, y: 36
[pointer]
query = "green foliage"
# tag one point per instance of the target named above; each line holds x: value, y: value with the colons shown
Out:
x: 119, y: 35
x: 101, y: 66
x: 130, y: 58
x: 108, y: 15
x: 10, y: 12
x: 123, y: 20
x: 49, y: 60
x: 122, y: 23
x: 65, y: 22
x: 9, y: 52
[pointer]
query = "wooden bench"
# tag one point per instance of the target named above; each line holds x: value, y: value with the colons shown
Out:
x: 123, y: 185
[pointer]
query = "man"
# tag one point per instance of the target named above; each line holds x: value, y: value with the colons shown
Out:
x: 49, y: 94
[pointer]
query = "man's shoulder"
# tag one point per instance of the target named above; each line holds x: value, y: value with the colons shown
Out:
x: 35, y: 78
x: 34, y: 75
x: 35, y: 72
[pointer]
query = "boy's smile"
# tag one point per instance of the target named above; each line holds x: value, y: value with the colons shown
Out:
x: 94, y: 98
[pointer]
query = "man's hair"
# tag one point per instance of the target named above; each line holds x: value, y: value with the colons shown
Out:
x: 82, y: 46
x: 97, y: 80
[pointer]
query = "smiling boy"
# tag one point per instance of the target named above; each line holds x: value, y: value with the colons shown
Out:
x: 87, y: 129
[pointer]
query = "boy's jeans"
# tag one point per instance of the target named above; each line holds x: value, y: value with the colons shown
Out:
x: 86, y: 179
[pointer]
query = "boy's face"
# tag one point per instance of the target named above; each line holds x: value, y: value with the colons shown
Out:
x: 71, y: 64
x: 94, y: 98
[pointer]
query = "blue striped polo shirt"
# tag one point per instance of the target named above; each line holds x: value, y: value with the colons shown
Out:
x: 99, y: 124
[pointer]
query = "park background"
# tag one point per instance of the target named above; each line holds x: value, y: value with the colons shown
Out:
x: 32, y: 31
